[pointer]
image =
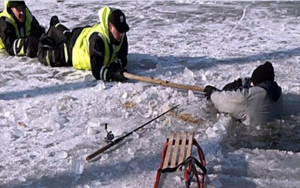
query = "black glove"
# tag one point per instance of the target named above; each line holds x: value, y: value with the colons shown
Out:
x: 117, y: 75
x: 115, y: 65
x: 45, y: 40
x: 113, y: 73
x: 208, y: 90
x: 116, y: 71
x: 233, y: 86
x: 31, y: 46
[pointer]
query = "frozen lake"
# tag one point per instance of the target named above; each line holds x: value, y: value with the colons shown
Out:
x: 52, y: 118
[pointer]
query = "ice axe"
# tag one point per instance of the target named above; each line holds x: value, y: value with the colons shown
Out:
x: 162, y: 82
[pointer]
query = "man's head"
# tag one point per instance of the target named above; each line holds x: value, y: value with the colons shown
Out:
x: 19, y: 10
x: 263, y: 73
x: 117, y: 24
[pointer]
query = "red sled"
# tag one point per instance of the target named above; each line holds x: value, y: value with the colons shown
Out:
x: 176, y: 156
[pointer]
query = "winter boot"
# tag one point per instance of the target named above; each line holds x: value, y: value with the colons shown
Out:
x: 54, y: 20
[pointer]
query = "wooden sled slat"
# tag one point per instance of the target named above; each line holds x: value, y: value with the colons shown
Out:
x: 183, y: 144
x: 176, y: 156
x: 189, y: 149
x: 169, y: 149
x: 176, y: 146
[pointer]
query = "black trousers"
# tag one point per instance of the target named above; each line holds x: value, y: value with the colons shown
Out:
x: 53, y: 49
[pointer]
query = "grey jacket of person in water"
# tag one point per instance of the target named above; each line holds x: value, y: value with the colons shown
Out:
x: 253, y: 105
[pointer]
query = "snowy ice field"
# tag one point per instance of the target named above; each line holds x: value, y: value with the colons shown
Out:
x: 52, y: 118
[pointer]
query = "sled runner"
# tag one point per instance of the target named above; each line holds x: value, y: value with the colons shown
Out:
x: 176, y: 156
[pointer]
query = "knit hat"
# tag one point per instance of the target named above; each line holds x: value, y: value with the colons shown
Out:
x: 263, y: 73
x: 19, y: 5
x: 118, y: 19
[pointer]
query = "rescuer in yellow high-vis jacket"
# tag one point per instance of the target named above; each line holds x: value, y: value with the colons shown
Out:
x: 102, y: 48
x: 19, y: 30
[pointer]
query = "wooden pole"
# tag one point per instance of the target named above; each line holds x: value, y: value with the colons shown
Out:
x: 162, y: 82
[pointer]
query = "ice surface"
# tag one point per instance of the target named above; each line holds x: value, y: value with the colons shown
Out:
x: 216, y: 183
x: 134, y: 166
x: 95, y: 170
x: 50, y: 118
x: 178, y: 179
x: 93, y: 122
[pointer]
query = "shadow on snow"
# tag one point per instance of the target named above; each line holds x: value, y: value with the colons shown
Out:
x: 145, y: 65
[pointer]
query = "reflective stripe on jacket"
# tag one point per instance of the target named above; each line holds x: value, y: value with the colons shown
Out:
x: 81, y: 51
x: 10, y: 19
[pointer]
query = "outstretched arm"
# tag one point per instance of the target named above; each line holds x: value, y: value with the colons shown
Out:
x: 231, y: 102
x: 113, y: 72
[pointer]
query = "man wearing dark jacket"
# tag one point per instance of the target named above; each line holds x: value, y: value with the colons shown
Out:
x: 253, y: 100
x: 102, y: 48
x: 19, y: 30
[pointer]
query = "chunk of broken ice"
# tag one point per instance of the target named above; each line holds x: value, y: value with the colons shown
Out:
x: 55, y: 126
x: 191, y: 95
x: 19, y: 133
x: 211, y: 132
x: 100, y: 86
x: 61, y: 155
x: 125, y: 95
x: 91, y: 131
x: 159, y: 70
x: 5, y: 136
x: 77, y: 166
x: 89, y: 78
x: 188, y: 73
x: 135, y: 135
x: 96, y: 183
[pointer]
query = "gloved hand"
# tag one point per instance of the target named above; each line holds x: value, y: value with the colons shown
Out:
x: 233, y: 86
x: 31, y: 46
x: 116, y: 72
x: 208, y: 90
x: 115, y: 65
x: 45, y: 40
x: 117, y: 75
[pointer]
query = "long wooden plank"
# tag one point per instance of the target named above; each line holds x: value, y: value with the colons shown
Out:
x: 162, y: 82
x: 176, y: 146
x: 189, y: 149
x: 168, y: 153
x: 182, y: 150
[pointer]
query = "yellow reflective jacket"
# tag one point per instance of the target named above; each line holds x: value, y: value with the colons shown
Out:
x: 81, y: 51
x: 11, y: 20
